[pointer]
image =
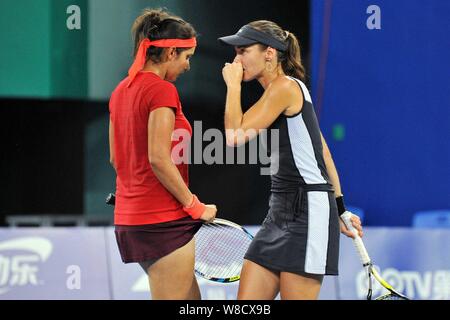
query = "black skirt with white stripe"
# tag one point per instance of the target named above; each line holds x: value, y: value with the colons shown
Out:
x: 300, y: 234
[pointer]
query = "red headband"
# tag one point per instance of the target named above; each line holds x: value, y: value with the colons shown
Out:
x: 139, y: 61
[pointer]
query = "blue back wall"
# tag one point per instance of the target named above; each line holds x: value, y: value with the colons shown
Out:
x: 383, y: 102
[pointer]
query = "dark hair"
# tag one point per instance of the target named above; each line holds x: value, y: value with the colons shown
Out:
x: 158, y: 24
x: 291, y: 61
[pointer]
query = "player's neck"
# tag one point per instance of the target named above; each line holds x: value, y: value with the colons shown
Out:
x: 268, y: 77
x: 159, y: 69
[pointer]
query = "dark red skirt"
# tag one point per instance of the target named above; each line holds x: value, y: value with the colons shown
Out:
x: 153, y: 241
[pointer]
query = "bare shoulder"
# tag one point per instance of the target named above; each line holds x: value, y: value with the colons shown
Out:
x: 286, y: 87
x: 288, y: 92
x: 283, y: 84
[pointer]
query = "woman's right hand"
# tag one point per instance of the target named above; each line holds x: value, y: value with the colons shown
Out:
x: 210, y: 213
x: 232, y: 73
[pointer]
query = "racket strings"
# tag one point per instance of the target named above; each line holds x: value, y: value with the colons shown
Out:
x: 390, y: 296
x: 220, y: 250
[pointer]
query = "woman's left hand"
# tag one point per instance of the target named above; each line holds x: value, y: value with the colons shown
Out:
x: 232, y: 73
x: 356, y: 222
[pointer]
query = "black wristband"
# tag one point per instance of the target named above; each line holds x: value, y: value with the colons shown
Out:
x: 340, y: 205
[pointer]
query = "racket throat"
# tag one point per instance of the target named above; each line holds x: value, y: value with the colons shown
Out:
x: 369, y: 272
x: 369, y: 292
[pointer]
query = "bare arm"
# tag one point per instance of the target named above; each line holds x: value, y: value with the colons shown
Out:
x: 160, y: 127
x: 331, y: 168
x: 334, y: 177
x: 275, y: 100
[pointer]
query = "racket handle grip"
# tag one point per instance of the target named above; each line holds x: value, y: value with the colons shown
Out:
x: 357, y: 241
x: 111, y: 199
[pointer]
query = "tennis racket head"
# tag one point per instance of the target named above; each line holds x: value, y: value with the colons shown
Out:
x: 393, y: 294
x: 367, y: 262
x: 220, y: 247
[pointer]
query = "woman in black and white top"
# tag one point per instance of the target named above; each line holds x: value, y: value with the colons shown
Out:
x: 298, y: 242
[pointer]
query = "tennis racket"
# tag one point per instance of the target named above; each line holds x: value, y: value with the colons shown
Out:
x: 367, y: 262
x: 220, y: 247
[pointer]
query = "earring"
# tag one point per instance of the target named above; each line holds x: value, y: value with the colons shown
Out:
x: 269, y: 67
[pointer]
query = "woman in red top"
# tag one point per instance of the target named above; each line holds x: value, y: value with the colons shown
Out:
x: 156, y: 216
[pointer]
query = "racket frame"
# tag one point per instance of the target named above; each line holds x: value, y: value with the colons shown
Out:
x: 385, y: 284
x: 365, y: 259
x: 219, y: 221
